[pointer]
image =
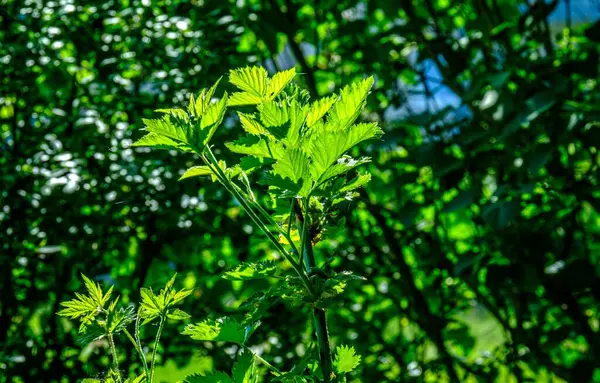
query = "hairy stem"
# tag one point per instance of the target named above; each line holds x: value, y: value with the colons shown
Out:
x: 139, y: 344
x: 156, y: 341
x: 319, y: 315
x: 115, y: 359
x: 138, y: 349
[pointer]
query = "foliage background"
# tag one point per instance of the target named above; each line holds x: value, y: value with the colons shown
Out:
x: 478, y: 234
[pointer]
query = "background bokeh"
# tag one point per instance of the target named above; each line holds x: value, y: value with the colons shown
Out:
x: 478, y: 235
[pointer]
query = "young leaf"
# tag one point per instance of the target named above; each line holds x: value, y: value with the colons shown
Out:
x: 86, y: 307
x: 204, y: 99
x: 250, y: 124
x: 177, y: 314
x: 342, y: 165
x: 248, y: 271
x: 227, y: 330
x: 167, y: 127
x: 138, y: 379
x: 346, y: 360
x: 278, y: 82
x: 273, y: 114
x: 351, y: 101
x: 293, y: 164
x: 358, y: 181
x: 160, y: 142
x: 297, y: 117
x: 257, y: 147
x: 243, y: 98
x: 196, y: 171
x: 318, y: 109
x: 211, y: 120
x: 252, y: 80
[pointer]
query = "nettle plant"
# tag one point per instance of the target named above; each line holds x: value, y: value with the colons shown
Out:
x: 296, y: 150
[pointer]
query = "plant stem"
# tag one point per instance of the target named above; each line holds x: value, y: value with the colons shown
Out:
x: 156, y: 340
x: 139, y: 350
x: 139, y: 345
x: 319, y: 315
x: 212, y: 162
x: 269, y: 365
x: 115, y: 359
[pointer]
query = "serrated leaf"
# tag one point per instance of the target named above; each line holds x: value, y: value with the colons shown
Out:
x: 253, y: 146
x: 167, y: 128
x: 243, y: 369
x: 278, y: 82
x: 252, y: 80
x: 177, y: 314
x: 318, y: 109
x: 86, y: 307
x: 273, y: 114
x: 293, y: 164
x: 117, y: 320
x: 329, y: 146
x: 202, y: 103
x: 350, y: 103
x: 157, y: 141
x: 226, y: 330
x: 346, y: 359
x: 211, y: 119
x: 213, y: 377
x: 343, y: 164
x: 297, y: 115
x: 250, y: 124
x: 248, y: 271
x: 243, y: 98
x: 358, y: 181
x: 196, y: 171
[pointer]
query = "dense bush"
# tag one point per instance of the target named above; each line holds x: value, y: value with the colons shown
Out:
x: 476, y: 235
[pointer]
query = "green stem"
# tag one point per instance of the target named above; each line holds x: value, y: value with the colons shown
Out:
x: 115, y: 359
x: 319, y: 315
x: 269, y: 365
x: 156, y: 341
x: 212, y: 162
x: 138, y: 349
x: 139, y: 344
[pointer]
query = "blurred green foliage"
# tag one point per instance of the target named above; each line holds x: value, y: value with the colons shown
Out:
x: 478, y: 233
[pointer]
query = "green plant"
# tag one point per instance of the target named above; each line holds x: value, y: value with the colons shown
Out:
x: 302, y: 149
x: 102, y: 318
x: 298, y: 150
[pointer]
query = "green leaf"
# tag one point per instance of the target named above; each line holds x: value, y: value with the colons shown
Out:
x: 177, y: 314
x: 273, y: 114
x: 278, y: 82
x: 350, y: 103
x: 252, y: 80
x: 213, y: 377
x: 243, y: 369
x: 243, y: 98
x: 159, y: 142
x: 343, y: 164
x: 319, y: 108
x: 253, y: 146
x: 293, y: 164
x: 211, y: 120
x: 358, y: 181
x: 226, y: 330
x: 197, y: 171
x: 203, y: 101
x: 328, y: 146
x: 346, y: 360
x: 247, y: 271
x: 86, y: 307
x: 297, y: 115
x: 167, y: 128
x: 250, y: 124
x: 117, y: 320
